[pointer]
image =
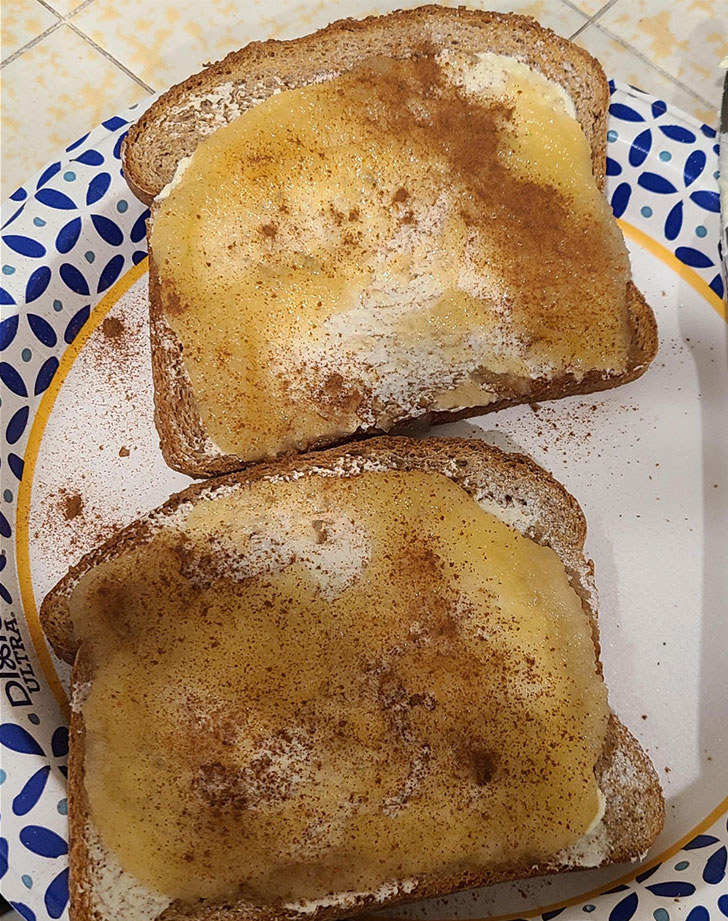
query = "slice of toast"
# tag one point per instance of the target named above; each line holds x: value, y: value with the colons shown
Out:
x: 170, y: 129
x: 348, y: 393
x: 509, y: 486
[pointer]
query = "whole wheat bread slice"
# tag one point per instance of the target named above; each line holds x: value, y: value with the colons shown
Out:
x: 510, y: 486
x: 172, y: 128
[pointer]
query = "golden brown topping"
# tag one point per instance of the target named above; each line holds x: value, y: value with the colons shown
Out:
x: 304, y: 681
x: 396, y: 228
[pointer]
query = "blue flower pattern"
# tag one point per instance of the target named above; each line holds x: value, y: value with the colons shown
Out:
x: 93, y: 232
x: 33, y: 840
x: 647, y: 126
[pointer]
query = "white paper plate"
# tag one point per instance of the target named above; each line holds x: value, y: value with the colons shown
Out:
x: 647, y: 462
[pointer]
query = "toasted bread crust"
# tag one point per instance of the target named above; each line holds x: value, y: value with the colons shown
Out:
x: 512, y: 479
x: 187, y: 448
x: 634, y: 812
x: 632, y: 819
x: 79, y: 891
x: 164, y: 135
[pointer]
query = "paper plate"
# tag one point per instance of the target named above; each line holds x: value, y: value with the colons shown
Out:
x: 647, y: 462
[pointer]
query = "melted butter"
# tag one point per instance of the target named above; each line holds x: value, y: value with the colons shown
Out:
x: 340, y: 253
x: 330, y: 684
x: 488, y: 72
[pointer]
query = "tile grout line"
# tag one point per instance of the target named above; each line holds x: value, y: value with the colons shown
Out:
x: 109, y: 56
x: 593, y: 18
x: 570, y: 4
x: 638, y: 54
x: 65, y: 20
x: 77, y: 9
x: 51, y: 10
x: 34, y: 41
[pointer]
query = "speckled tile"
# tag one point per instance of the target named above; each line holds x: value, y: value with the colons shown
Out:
x: 561, y: 17
x: 591, y: 7
x: 22, y: 21
x: 165, y: 41
x: 623, y: 64
x: 51, y: 94
x: 66, y: 7
x: 686, y: 39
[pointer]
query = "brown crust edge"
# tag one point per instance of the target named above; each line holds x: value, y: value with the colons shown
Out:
x: 256, y: 55
x: 641, y: 813
x: 183, y: 440
x: 474, y: 462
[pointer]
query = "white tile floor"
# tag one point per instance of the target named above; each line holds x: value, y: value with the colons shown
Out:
x: 66, y: 64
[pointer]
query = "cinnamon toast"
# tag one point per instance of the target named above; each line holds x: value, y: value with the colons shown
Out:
x: 448, y: 286
x: 525, y: 501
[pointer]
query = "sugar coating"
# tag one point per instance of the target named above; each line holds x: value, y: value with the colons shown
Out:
x: 289, y: 760
x: 114, y: 893
x: 402, y: 327
x: 349, y: 899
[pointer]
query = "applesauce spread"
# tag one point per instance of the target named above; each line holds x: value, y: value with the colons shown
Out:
x: 304, y: 687
x: 410, y: 235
